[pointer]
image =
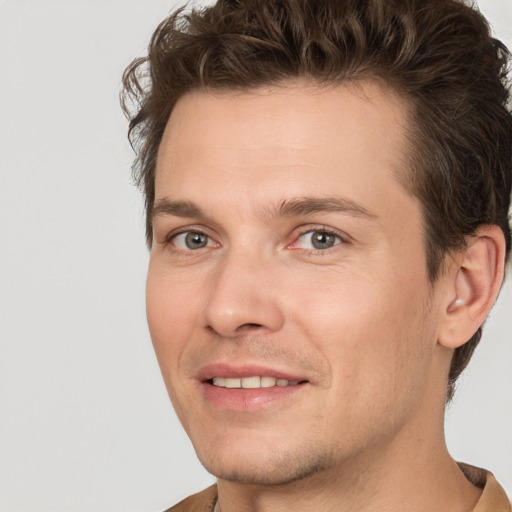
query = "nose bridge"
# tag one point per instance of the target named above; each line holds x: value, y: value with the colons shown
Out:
x: 242, y: 294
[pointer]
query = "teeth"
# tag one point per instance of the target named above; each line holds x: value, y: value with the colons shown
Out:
x: 268, y: 382
x: 252, y: 382
x: 233, y: 383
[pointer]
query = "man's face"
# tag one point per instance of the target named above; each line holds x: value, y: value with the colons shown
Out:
x: 285, y: 249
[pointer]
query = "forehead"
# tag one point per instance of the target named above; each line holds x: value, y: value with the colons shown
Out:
x: 293, y: 136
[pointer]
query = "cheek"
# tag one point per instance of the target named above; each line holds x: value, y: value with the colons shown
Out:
x: 373, y: 337
x: 170, y: 309
x: 341, y: 306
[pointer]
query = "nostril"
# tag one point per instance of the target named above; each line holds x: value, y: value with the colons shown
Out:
x: 248, y: 327
x: 240, y: 328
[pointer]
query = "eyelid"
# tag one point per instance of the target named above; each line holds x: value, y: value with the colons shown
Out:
x: 304, y: 230
x: 169, y: 237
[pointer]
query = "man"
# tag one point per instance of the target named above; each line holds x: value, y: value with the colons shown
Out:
x: 327, y: 187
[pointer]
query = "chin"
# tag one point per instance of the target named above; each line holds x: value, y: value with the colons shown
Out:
x: 278, y: 468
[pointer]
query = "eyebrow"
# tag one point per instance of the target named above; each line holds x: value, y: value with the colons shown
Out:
x: 177, y: 209
x: 294, y: 207
x: 309, y: 205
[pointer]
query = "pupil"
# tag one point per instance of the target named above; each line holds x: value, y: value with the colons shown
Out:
x: 322, y: 240
x: 195, y: 240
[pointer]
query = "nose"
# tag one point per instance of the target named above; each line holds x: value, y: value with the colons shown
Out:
x: 244, y: 296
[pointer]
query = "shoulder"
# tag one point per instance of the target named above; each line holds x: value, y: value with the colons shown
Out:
x: 493, y: 497
x: 203, y: 501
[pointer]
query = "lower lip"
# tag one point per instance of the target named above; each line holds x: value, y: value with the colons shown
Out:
x: 247, y: 399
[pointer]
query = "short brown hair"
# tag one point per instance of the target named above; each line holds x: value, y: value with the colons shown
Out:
x: 437, y: 54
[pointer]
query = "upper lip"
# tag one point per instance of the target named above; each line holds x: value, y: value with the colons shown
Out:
x: 229, y: 370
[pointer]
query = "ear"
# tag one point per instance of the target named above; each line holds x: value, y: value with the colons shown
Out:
x: 474, y: 281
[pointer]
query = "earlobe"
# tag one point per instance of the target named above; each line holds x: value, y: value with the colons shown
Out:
x: 475, y: 285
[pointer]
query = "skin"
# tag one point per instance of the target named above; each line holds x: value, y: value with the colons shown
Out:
x: 359, y: 320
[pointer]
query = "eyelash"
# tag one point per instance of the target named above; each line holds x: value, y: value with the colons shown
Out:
x: 319, y: 229
x: 169, y: 239
x: 310, y: 229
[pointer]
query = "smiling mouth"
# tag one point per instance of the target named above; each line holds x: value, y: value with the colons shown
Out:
x: 255, y: 382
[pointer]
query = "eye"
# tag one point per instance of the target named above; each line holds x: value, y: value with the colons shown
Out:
x: 192, y: 240
x: 318, y: 239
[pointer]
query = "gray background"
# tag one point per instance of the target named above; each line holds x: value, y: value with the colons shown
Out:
x: 85, y: 423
